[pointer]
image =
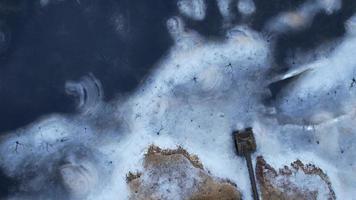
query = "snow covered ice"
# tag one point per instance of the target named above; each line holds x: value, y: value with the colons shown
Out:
x: 199, y: 93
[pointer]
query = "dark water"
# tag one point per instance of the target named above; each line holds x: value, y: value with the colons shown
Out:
x: 44, y: 47
x: 65, y: 41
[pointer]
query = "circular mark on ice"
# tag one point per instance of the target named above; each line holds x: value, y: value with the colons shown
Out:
x: 77, y: 179
x: 88, y: 91
x: 79, y: 174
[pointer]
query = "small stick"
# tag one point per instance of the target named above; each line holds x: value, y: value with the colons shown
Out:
x: 245, y: 145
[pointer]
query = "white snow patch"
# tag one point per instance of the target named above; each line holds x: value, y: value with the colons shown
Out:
x: 302, y: 17
x: 225, y: 8
x: 194, y: 9
x: 246, y: 7
x: 320, y: 84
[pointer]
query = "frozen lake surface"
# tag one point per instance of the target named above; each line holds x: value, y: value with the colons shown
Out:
x: 86, y: 86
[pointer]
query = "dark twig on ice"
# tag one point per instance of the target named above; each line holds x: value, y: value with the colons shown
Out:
x: 17, y: 145
x: 159, y: 131
x: 353, y: 83
x: 245, y: 146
